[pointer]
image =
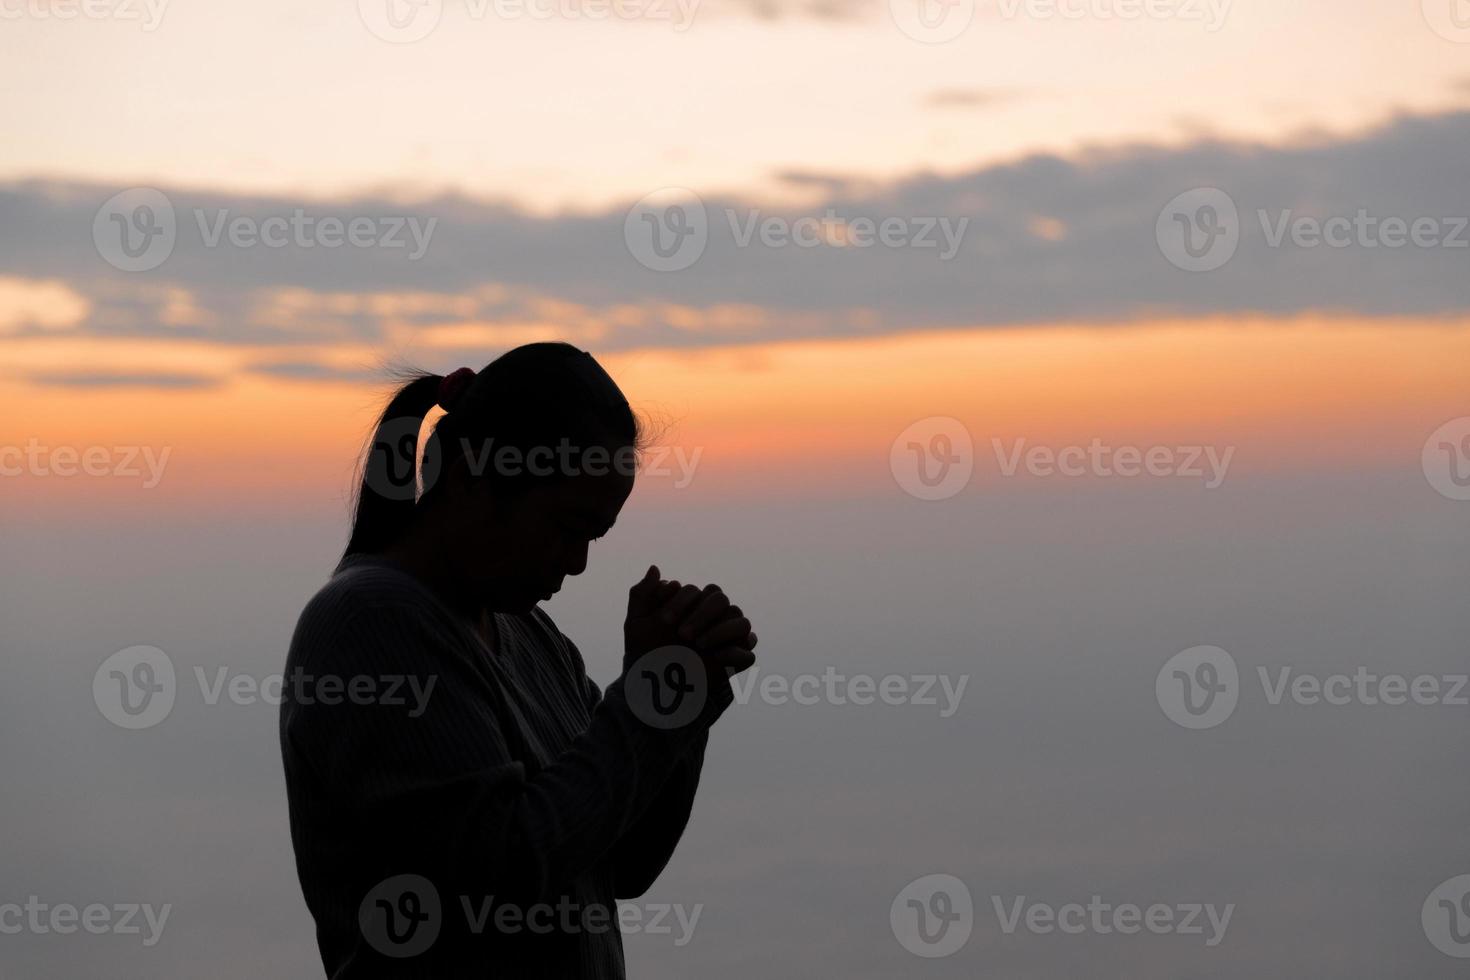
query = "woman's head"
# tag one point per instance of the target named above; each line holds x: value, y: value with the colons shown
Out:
x: 532, y: 461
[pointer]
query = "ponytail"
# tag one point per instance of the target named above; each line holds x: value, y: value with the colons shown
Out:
x: 386, y: 495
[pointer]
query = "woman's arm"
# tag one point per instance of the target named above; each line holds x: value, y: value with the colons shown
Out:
x: 642, y: 853
x: 407, y: 794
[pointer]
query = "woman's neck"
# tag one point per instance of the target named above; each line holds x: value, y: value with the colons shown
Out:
x: 424, y: 559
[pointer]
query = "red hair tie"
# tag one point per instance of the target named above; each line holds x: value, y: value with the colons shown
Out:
x: 453, y: 386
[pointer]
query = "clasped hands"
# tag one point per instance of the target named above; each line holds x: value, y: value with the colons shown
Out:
x: 665, y: 613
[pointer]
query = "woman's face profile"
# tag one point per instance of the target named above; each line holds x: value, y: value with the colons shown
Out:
x: 522, y: 547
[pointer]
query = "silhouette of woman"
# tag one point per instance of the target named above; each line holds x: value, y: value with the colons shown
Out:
x: 464, y: 801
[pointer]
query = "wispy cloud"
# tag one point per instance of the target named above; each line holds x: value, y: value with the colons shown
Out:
x: 103, y: 379
x: 315, y: 371
x: 822, y: 10
x: 970, y: 98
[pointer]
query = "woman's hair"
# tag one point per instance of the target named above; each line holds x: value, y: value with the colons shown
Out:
x: 529, y: 417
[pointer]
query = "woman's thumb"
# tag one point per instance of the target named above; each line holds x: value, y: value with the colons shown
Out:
x: 643, y: 592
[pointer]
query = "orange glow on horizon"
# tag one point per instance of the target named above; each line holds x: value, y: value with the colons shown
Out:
x: 799, y: 417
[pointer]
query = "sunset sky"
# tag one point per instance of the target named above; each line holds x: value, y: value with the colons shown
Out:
x: 1058, y: 138
x: 1133, y: 263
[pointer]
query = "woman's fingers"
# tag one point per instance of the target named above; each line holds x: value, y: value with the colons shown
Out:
x: 709, y: 610
x: 643, y: 595
x: 732, y: 660
x: 749, y: 640
x: 703, y: 618
x: 727, y: 632
x: 674, y: 610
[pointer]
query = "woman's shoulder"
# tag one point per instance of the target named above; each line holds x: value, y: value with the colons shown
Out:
x: 363, y: 587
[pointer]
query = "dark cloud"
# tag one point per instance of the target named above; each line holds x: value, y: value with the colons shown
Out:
x: 1048, y: 239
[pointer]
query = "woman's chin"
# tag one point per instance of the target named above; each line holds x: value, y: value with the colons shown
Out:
x: 531, y: 599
